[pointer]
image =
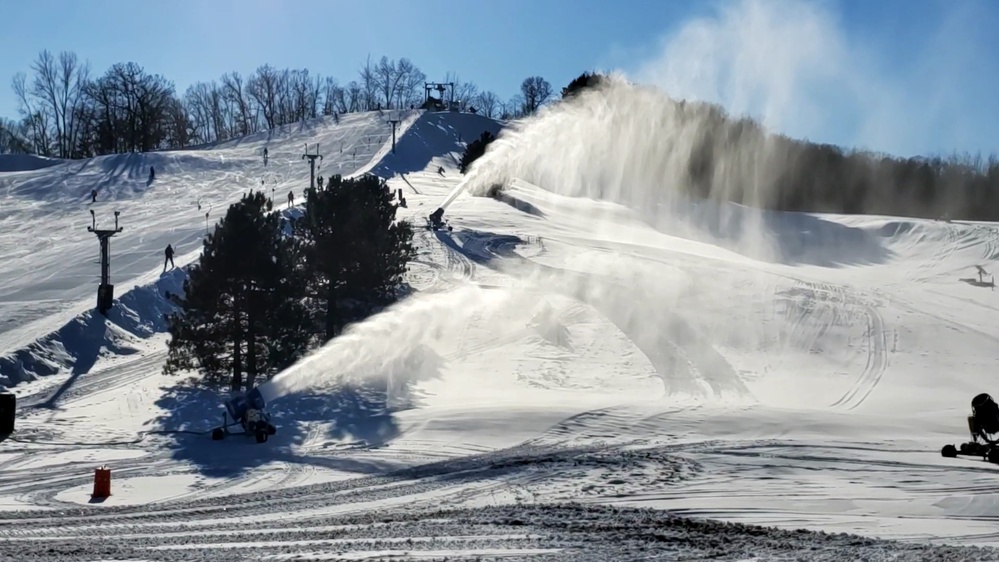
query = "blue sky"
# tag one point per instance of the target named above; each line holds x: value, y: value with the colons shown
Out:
x: 902, y: 76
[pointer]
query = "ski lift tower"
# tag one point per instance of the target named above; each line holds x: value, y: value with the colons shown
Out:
x: 393, y: 122
x: 440, y: 87
x: 312, y: 164
x: 105, y: 291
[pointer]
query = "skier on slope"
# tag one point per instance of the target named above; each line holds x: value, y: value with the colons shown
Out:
x: 169, y: 257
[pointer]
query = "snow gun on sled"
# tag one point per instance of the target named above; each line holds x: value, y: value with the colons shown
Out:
x: 249, y: 411
x: 436, y: 221
x: 983, y: 423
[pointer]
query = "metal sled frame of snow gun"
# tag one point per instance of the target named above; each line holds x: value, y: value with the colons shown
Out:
x: 983, y: 423
x: 436, y: 221
x: 250, y: 413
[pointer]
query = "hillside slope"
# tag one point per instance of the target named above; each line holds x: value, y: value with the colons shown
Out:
x: 566, y: 362
x: 49, y: 263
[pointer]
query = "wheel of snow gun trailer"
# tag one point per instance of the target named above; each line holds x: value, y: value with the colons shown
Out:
x: 993, y: 456
x: 218, y: 434
x: 949, y: 451
x: 262, y: 436
x: 271, y: 430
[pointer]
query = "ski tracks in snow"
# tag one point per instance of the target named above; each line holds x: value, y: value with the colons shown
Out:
x: 829, y: 303
x: 878, y: 347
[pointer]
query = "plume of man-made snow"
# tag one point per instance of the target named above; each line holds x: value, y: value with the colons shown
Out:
x: 401, y: 344
x: 635, y: 146
x: 799, y: 69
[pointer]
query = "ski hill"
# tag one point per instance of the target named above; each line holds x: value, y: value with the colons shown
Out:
x: 572, y: 379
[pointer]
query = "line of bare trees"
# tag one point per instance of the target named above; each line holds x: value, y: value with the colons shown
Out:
x: 65, y: 112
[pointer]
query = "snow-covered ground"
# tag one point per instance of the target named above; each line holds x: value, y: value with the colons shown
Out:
x: 571, y: 381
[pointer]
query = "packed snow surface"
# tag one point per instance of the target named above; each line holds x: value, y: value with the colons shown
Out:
x: 577, y: 376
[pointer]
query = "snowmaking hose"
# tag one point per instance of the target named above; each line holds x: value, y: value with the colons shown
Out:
x: 142, y: 436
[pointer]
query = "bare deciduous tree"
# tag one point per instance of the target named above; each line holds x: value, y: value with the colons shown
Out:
x: 487, y: 103
x: 355, y: 96
x: 37, y: 121
x: 235, y: 93
x: 333, y: 97
x: 12, y: 137
x: 410, y: 84
x: 513, y: 108
x: 58, y: 87
x: 536, y: 91
x: 464, y: 92
x: 66, y: 113
x: 264, y: 87
x: 131, y: 110
x: 369, y: 87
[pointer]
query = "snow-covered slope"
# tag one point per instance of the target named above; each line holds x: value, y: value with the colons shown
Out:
x: 50, y: 266
x: 25, y: 162
x: 566, y: 363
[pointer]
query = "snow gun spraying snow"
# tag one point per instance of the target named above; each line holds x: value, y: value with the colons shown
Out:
x: 983, y: 423
x: 249, y: 411
x: 436, y: 219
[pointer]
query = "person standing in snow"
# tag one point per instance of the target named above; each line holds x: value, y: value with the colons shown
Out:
x: 291, y: 198
x: 93, y: 195
x: 169, y: 257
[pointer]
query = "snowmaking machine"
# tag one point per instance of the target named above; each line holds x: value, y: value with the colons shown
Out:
x: 249, y: 411
x: 436, y: 221
x: 983, y: 423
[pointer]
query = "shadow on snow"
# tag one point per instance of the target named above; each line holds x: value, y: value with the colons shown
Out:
x: 314, y: 426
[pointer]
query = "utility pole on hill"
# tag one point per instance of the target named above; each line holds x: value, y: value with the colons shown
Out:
x: 394, y: 122
x: 105, y: 291
x: 312, y: 164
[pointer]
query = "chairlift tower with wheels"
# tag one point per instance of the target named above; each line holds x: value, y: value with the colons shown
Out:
x: 105, y: 291
x: 312, y: 164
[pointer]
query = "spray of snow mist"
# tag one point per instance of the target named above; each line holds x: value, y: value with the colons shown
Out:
x: 679, y: 164
x: 404, y: 343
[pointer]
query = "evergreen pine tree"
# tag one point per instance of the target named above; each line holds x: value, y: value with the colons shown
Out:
x: 582, y: 82
x: 354, y: 249
x: 242, y: 309
x: 474, y: 150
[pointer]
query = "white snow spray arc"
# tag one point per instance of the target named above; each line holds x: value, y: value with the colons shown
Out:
x: 405, y: 343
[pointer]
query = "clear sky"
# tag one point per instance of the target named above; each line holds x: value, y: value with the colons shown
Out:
x: 902, y: 76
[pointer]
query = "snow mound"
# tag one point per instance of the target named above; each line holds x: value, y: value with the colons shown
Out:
x: 25, y: 162
x: 74, y: 348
